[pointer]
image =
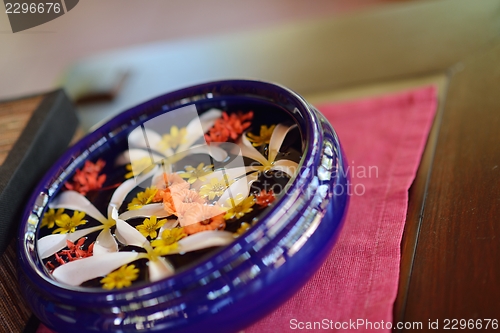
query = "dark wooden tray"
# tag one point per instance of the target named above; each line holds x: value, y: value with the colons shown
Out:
x: 34, y: 132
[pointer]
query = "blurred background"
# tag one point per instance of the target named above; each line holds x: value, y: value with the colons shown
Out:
x: 110, y: 55
x: 33, y: 59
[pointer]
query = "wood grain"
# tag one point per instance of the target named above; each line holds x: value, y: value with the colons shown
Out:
x: 453, y: 223
x: 416, y: 206
x: 14, y: 116
x: 14, y: 312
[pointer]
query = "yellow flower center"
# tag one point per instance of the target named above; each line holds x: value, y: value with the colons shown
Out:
x: 109, y: 223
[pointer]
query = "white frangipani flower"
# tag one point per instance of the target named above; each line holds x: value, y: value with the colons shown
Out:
x: 76, y: 272
x: 147, y: 145
x: 105, y: 241
x: 279, y: 134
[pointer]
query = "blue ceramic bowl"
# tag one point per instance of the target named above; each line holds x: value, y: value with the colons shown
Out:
x: 238, y: 284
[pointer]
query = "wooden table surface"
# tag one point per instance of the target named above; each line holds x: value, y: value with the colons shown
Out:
x: 450, y: 266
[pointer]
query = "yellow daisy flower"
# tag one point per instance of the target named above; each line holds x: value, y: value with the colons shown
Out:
x: 240, y: 209
x: 168, y: 241
x: 120, y: 278
x: 68, y: 224
x: 141, y: 165
x: 149, y: 227
x: 215, y: 188
x: 174, y: 139
x: 143, y: 198
x: 50, y: 217
x: 193, y: 174
x: 263, y: 138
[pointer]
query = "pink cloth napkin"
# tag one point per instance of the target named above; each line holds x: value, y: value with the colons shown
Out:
x: 383, y: 139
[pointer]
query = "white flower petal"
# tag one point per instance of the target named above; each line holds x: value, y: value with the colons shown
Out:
x: 155, y: 209
x: 75, y: 201
x: 136, y: 154
x: 203, y: 240
x: 159, y: 269
x: 51, y: 244
x: 129, y: 235
x: 198, y: 126
x: 170, y: 224
x: 238, y: 191
x: 277, y: 138
x: 120, y: 194
x: 217, y: 152
x: 249, y: 151
x: 136, y: 138
x: 213, y: 150
x: 105, y: 243
x: 125, y: 188
x: 76, y: 272
x: 287, y: 166
x: 208, y: 119
x: 123, y: 158
x: 228, y: 175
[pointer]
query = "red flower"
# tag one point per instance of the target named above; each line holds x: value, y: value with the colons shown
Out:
x: 229, y: 127
x: 87, y: 179
x: 218, y: 133
x: 50, y: 266
x: 96, y: 167
x: 265, y: 198
x: 74, y: 252
x: 60, y: 260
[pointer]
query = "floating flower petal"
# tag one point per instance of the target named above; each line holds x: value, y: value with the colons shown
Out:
x: 120, y: 278
x: 143, y: 198
x: 265, y: 198
x: 239, y: 210
x: 215, y: 188
x: 168, y: 241
x: 50, y: 217
x: 168, y: 182
x: 263, y: 138
x: 204, y: 239
x: 87, y: 179
x: 140, y: 165
x: 182, y: 200
x: 198, y: 173
x: 174, y: 139
x: 76, y: 272
x: 68, y: 224
x: 214, y: 223
x: 149, y: 227
x: 229, y: 127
